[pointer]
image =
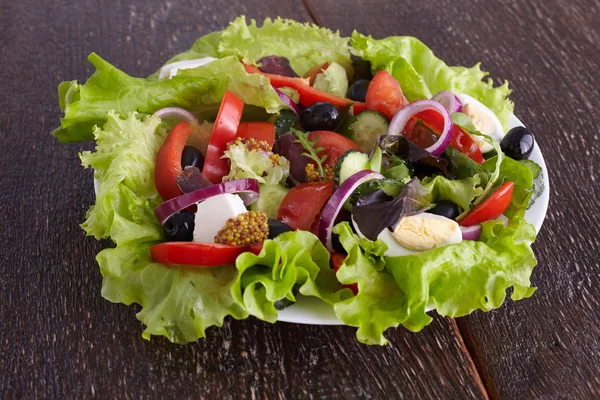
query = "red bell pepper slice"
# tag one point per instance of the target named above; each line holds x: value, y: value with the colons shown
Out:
x: 308, y: 94
x: 258, y: 130
x: 224, y: 131
x: 168, y: 161
x: 199, y: 254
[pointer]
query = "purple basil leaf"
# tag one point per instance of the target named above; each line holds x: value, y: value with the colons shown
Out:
x: 287, y: 146
x: 276, y: 65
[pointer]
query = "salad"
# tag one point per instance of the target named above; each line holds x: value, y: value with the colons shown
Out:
x: 283, y: 160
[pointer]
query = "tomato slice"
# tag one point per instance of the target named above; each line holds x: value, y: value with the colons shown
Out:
x: 224, y: 131
x: 302, y: 205
x: 308, y: 94
x: 312, y: 73
x: 198, y: 254
x: 492, y: 207
x: 385, y: 95
x: 333, y: 144
x: 337, y: 259
x: 460, y: 139
x: 258, y: 130
x: 168, y: 161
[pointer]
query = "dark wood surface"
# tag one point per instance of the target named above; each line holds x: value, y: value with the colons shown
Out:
x: 60, y: 339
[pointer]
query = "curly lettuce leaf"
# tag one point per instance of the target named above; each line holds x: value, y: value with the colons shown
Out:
x: 333, y: 80
x: 304, y: 45
x: 198, y: 90
x: 458, y: 279
x: 179, y: 303
x: 255, y: 164
x: 293, y: 259
x: 459, y: 191
x: 421, y: 74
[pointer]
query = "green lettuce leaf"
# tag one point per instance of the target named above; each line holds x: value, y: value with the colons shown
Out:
x: 421, y: 74
x: 333, y: 80
x: 198, y: 90
x: 455, y: 280
x: 304, y: 45
x: 255, y: 164
x: 460, y: 191
x: 379, y: 304
x: 177, y: 303
x: 293, y: 259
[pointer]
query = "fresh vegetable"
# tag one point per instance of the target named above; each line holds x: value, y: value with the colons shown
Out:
x: 180, y: 227
x: 196, y: 254
x: 284, y: 122
x: 247, y: 186
x: 168, y: 161
x: 224, y: 131
x: 472, y: 232
x: 385, y: 95
x: 302, y: 206
x: 276, y: 65
x: 312, y: 73
x: 253, y: 159
x: 418, y: 157
x: 518, y: 143
x: 333, y: 144
x: 332, y: 80
x: 320, y: 116
x: 257, y: 130
x: 350, y: 163
x: 191, y: 179
x: 269, y: 199
x: 288, y: 101
x: 337, y: 259
x: 337, y: 200
x: 492, y: 207
x: 178, y: 113
x: 448, y: 100
x: 311, y: 151
x: 290, y: 147
x: 364, y: 129
x: 409, y: 111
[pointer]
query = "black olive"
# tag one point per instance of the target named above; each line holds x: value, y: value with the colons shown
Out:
x: 277, y: 227
x: 518, y: 143
x: 320, y: 116
x: 180, y: 227
x: 358, y: 90
x: 446, y: 209
x: 192, y: 157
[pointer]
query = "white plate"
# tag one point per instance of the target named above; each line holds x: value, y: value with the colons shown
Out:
x: 310, y: 310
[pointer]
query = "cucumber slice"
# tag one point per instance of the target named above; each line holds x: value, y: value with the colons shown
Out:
x: 377, y: 159
x: 269, y: 199
x: 364, y: 128
x: 350, y: 163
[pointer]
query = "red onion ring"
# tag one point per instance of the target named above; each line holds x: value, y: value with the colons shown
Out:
x: 177, y: 112
x: 285, y: 99
x: 407, y: 112
x: 471, y: 232
x: 248, y: 187
x: 448, y: 100
x: 334, y: 205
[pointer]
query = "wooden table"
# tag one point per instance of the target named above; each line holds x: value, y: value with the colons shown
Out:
x: 60, y: 339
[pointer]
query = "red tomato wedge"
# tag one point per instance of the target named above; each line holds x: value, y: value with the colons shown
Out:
x: 337, y: 259
x: 333, y: 144
x: 258, y: 130
x: 302, y: 205
x: 460, y: 139
x: 224, y: 131
x: 198, y: 254
x: 385, y: 95
x: 492, y: 207
x: 168, y: 161
x: 308, y: 94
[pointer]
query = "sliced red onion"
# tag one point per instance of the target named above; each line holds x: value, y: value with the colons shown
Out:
x: 249, y: 187
x: 504, y: 219
x: 177, y: 112
x: 407, y: 112
x: 288, y: 101
x: 471, y: 232
x: 335, y: 203
x: 448, y: 100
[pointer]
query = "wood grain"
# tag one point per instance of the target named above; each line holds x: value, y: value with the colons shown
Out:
x: 547, y: 346
x: 58, y: 337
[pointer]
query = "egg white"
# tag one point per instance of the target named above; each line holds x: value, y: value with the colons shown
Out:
x: 492, y: 127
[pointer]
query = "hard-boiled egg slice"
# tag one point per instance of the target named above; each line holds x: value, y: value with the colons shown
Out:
x: 418, y: 233
x: 213, y: 213
x: 484, y: 120
x: 170, y: 70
